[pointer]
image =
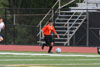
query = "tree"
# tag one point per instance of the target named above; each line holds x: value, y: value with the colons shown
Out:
x: 3, y: 3
x: 31, y: 3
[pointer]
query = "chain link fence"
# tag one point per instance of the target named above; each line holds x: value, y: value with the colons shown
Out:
x: 21, y: 27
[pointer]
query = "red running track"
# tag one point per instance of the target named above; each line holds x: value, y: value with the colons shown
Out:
x: 38, y: 49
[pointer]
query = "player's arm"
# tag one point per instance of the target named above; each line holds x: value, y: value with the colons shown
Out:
x: 42, y: 34
x: 4, y: 26
x: 55, y: 33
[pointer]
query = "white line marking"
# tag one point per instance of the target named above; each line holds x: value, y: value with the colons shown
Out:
x: 49, y: 59
x: 49, y: 64
x: 21, y: 56
x: 40, y: 54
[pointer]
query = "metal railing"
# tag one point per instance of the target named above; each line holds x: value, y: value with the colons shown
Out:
x: 57, y: 2
x: 48, y: 13
x: 67, y: 23
x: 83, y: 19
x: 69, y: 19
x: 67, y: 4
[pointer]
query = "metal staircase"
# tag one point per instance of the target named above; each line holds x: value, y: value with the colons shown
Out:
x: 66, y: 24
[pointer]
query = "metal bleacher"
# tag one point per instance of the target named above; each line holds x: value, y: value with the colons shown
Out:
x: 68, y: 22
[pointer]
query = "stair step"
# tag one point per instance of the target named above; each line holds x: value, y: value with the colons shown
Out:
x: 80, y: 8
x: 71, y: 15
x: 59, y: 42
x: 60, y: 22
x: 64, y: 27
x: 66, y: 22
x: 75, y: 23
x: 67, y: 19
x: 65, y: 30
x: 85, y: 4
x: 66, y: 15
x: 66, y: 11
x: 54, y: 42
x: 60, y: 27
x: 74, y: 26
x: 92, y: 1
x: 60, y: 38
x: 61, y: 34
x: 58, y: 34
x: 60, y: 19
x: 60, y: 30
x: 89, y: 7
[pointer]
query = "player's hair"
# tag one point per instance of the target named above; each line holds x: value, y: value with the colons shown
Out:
x: 50, y: 21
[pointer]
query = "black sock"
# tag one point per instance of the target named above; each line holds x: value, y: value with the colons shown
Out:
x: 50, y: 48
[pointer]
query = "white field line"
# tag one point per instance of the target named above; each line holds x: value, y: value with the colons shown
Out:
x: 49, y: 59
x: 22, y: 56
x: 19, y: 56
x: 49, y: 64
x: 40, y: 54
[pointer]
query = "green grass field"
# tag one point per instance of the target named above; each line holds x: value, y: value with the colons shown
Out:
x: 37, y: 59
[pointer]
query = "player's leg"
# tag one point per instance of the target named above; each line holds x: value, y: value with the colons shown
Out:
x: 1, y: 38
x: 50, y: 47
x: 51, y: 44
x: 46, y: 39
x: 44, y: 43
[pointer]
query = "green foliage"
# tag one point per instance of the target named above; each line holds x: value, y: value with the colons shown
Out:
x: 31, y: 3
x: 3, y: 3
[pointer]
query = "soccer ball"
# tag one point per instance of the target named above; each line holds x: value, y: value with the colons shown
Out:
x: 58, y: 50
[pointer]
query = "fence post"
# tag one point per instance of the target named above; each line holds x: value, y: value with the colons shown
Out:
x: 68, y: 35
x: 14, y: 30
x: 87, y: 43
x: 5, y: 26
x: 14, y: 19
x: 40, y: 32
x: 59, y: 5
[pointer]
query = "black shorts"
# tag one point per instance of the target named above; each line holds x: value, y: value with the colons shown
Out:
x: 48, y: 39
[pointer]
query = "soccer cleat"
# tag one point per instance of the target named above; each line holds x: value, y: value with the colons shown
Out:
x: 50, y: 52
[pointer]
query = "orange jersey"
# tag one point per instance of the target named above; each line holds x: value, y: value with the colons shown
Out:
x: 48, y: 29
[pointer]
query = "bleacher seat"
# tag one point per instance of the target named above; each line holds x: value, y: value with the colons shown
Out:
x: 87, y: 4
x: 92, y: 1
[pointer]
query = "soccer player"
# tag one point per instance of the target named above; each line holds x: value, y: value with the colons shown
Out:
x: 2, y: 26
x: 46, y: 34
